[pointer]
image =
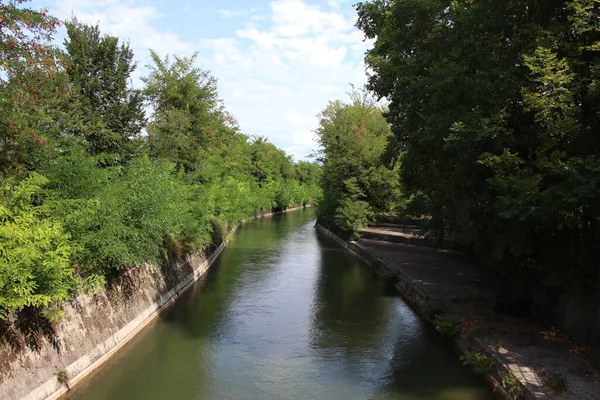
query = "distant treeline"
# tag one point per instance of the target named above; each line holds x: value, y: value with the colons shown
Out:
x: 91, y: 185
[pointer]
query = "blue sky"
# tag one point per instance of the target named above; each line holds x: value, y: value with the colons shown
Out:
x: 278, y: 62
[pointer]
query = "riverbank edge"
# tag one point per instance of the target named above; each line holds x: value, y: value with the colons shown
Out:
x: 52, y: 389
x: 422, y: 303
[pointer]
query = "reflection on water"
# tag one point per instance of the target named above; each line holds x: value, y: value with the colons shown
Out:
x: 286, y: 314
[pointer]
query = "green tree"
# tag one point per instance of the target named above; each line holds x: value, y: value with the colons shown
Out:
x: 269, y: 164
x: 307, y: 173
x: 186, y: 115
x: 356, y: 183
x: 494, y: 108
x: 27, y: 68
x: 100, y: 68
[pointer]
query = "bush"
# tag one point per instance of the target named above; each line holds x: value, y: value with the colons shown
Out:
x: 555, y: 381
x: 35, y: 268
x: 128, y: 221
x: 512, y: 385
x: 352, y: 214
x: 445, y: 326
x: 480, y: 363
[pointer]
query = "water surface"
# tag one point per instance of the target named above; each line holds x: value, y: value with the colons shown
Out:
x: 285, y: 313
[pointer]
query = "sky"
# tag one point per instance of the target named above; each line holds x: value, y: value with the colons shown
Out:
x: 278, y: 62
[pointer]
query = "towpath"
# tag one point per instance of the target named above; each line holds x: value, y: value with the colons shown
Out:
x: 542, y: 359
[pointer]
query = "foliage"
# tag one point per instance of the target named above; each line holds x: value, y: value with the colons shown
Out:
x: 268, y: 162
x: 356, y: 184
x: 493, y: 108
x: 555, y: 381
x: 352, y: 214
x: 100, y: 69
x: 512, y: 385
x: 24, y: 37
x: 63, y: 378
x: 127, y: 221
x: 35, y: 267
x: 185, y: 104
x: 446, y: 326
x: 27, y: 65
x: 480, y: 363
x: 84, y: 196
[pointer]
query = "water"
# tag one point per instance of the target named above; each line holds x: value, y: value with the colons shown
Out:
x: 285, y: 313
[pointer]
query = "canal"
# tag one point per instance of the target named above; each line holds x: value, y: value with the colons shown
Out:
x: 285, y: 313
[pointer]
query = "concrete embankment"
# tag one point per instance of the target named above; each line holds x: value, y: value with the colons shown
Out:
x: 530, y: 360
x: 39, y: 360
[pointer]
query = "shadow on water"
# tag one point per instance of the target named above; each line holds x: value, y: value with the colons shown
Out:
x: 362, y: 323
x: 349, y: 308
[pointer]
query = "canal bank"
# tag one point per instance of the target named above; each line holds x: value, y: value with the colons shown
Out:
x: 518, y: 357
x: 39, y: 361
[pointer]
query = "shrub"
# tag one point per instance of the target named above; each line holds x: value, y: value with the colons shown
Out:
x: 480, y: 363
x: 555, y: 381
x: 512, y: 385
x: 128, y: 221
x: 353, y: 214
x: 446, y: 326
x: 63, y: 378
x: 35, y: 267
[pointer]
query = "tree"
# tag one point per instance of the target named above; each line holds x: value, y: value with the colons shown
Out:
x: 494, y: 108
x: 24, y: 39
x: 307, y: 173
x: 355, y: 181
x: 101, y: 69
x: 27, y: 71
x: 34, y: 258
x: 187, y: 116
x: 269, y: 163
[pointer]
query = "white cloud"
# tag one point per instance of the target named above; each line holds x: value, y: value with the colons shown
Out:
x: 276, y: 76
x: 226, y: 13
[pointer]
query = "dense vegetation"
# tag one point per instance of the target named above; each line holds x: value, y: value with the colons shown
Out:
x: 357, y: 184
x: 494, y: 108
x: 494, y: 112
x: 85, y: 192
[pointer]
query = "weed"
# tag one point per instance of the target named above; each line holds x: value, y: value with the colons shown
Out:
x: 554, y: 381
x: 52, y: 313
x: 512, y: 385
x: 445, y: 326
x: 480, y: 363
x: 63, y: 378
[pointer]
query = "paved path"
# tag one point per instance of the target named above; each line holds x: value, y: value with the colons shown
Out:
x: 444, y: 280
x: 403, y: 233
